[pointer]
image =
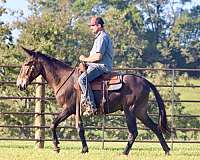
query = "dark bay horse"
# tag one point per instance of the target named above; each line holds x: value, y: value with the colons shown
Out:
x: 132, y: 98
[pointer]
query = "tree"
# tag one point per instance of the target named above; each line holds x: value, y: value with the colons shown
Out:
x: 6, y: 39
x: 184, y: 39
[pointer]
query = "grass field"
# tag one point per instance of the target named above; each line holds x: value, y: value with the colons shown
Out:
x: 15, y: 150
x: 190, y: 94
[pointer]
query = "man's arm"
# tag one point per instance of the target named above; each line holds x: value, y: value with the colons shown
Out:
x: 92, y: 58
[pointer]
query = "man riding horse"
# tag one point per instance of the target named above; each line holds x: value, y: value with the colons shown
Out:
x: 132, y: 96
x: 98, y: 62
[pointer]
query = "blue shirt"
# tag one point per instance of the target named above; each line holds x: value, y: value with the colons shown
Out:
x: 103, y: 45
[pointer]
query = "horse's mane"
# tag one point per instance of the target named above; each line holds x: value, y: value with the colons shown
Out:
x: 52, y: 60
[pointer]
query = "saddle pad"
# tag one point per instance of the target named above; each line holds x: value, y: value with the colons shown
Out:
x: 113, y: 87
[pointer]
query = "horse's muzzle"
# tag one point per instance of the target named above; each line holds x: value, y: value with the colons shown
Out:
x: 22, y: 85
x: 21, y: 88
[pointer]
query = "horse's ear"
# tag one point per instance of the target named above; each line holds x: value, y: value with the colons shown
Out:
x: 29, y: 52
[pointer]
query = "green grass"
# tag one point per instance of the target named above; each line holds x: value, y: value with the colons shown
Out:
x: 15, y: 150
x: 190, y: 94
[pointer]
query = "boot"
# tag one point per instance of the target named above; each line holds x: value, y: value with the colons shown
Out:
x: 90, y: 110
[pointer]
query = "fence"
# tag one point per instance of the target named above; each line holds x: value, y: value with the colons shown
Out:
x: 40, y: 113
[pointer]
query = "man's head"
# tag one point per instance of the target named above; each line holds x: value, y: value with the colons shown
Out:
x: 96, y: 24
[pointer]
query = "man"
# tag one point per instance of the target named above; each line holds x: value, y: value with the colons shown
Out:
x: 99, y: 62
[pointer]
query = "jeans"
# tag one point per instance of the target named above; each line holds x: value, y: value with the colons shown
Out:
x: 93, y: 71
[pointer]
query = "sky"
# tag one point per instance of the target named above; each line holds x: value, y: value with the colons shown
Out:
x: 23, y: 5
x: 18, y: 5
x: 12, y: 5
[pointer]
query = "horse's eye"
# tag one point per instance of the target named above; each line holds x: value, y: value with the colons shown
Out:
x: 28, y: 63
x: 32, y: 67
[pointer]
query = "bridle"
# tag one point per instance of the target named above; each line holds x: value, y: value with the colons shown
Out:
x: 30, y: 70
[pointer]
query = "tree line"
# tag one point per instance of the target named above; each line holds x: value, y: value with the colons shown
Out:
x: 145, y: 33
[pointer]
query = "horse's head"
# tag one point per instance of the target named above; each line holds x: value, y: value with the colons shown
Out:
x: 30, y: 69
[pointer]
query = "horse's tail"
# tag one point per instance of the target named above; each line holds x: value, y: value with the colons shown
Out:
x: 162, y: 113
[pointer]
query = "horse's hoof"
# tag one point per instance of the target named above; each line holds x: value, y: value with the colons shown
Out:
x: 57, y: 149
x: 125, y: 153
x: 167, y: 153
x: 84, y: 150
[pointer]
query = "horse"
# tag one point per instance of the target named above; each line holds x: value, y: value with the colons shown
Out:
x: 132, y: 98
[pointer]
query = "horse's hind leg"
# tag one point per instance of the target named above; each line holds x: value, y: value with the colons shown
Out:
x: 154, y: 127
x: 81, y: 132
x: 61, y: 117
x: 132, y: 128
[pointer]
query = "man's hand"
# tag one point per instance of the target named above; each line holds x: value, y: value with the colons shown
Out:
x: 92, y: 58
x: 82, y: 58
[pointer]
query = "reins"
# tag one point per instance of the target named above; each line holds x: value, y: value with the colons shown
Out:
x: 66, y: 79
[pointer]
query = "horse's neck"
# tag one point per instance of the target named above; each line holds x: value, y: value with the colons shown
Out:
x: 54, y: 74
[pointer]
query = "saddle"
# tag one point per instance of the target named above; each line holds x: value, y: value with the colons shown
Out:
x: 110, y: 81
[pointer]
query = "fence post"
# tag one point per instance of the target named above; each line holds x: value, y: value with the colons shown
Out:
x: 39, y: 109
x: 103, y: 130
x: 172, y: 109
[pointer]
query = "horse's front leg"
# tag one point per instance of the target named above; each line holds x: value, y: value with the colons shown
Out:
x: 81, y: 133
x: 61, y: 117
x: 55, y: 138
